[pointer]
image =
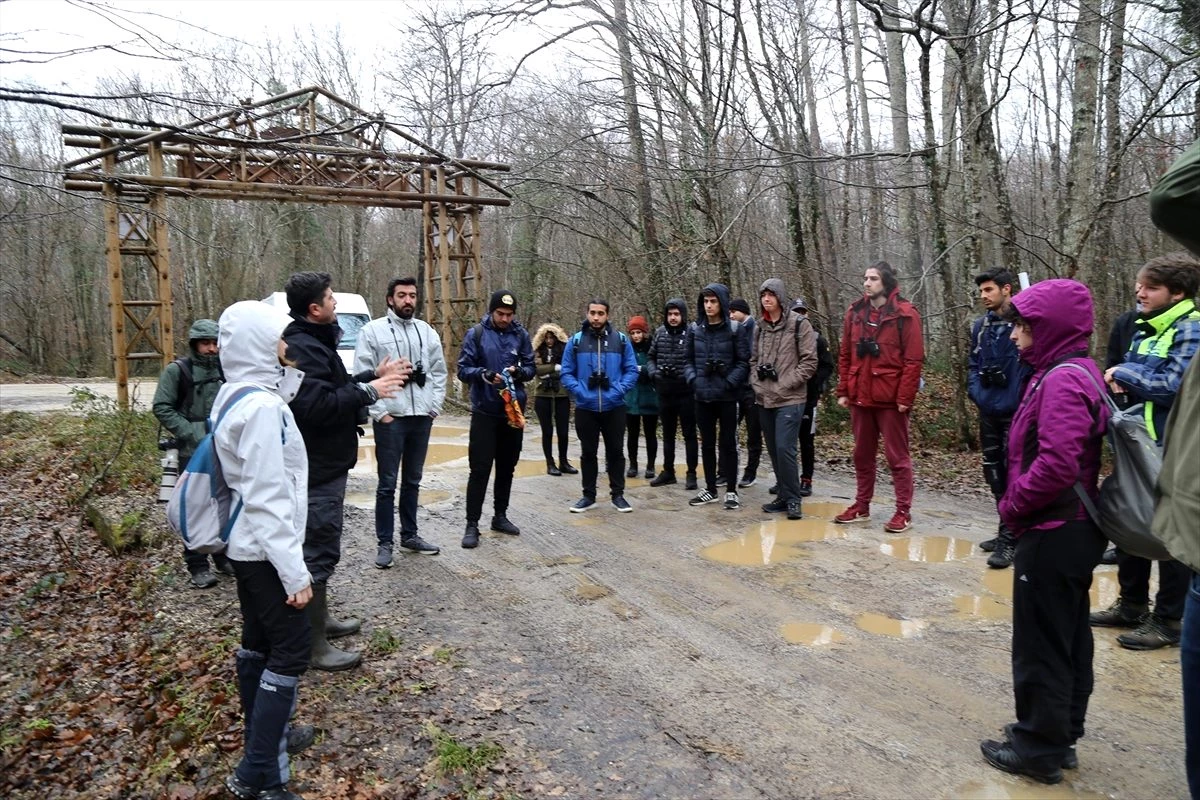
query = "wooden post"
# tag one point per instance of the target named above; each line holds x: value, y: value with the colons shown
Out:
x: 160, y: 261
x: 116, y: 280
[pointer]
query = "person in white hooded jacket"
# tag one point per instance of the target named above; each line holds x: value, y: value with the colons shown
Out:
x: 264, y: 462
x: 402, y: 423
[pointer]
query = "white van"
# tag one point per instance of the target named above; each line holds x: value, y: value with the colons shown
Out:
x: 352, y: 315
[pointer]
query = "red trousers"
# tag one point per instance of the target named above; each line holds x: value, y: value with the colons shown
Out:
x: 868, y: 424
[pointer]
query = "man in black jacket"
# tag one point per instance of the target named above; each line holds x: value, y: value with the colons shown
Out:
x: 816, y: 387
x: 676, y: 404
x: 329, y: 406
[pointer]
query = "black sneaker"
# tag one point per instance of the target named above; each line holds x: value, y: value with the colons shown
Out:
x: 732, y: 503
x: 566, y: 468
x: 649, y: 473
x: 1153, y: 633
x: 621, y: 504
x: 471, y: 537
x: 300, y: 738
x: 1002, y: 556
x: 1069, y: 761
x: 500, y: 524
x: 989, y: 545
x: 203, y: 579
x: 383, y: 556
x: 664, y: 479
x: 551, y: 469
x: 1109, y: 557
x: 632, y: 471
x: 689, y: 482
x: 222, y: 565
x: 748, y: 479
x: 416, y: 544
x: 774, y: 489
x: 1120, y: 615
x: 582, y: 504
x: 805, y: 487
x: 793, y: 510
x: 704, y: 498
x: 776, y: 506
x: 1002, y: 756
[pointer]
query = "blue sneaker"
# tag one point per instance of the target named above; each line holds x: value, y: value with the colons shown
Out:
x: 621, y: 504
x: 582, y: 505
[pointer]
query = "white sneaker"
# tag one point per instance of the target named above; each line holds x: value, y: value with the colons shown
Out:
x: 731, y: 501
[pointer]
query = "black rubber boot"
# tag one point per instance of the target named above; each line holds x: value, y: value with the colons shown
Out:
x: 325, y: 656
x: 337, y: 628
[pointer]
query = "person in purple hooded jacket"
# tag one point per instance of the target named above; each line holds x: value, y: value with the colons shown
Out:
x: 1054, y: 447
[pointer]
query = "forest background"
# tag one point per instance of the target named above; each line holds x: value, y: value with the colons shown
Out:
x: 655, y: 146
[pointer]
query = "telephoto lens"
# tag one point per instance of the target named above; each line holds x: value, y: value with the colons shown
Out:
x: 170, y: 473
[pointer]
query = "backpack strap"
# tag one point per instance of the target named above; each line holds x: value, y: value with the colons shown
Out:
x: 187, y: 386
x: 233, y: 400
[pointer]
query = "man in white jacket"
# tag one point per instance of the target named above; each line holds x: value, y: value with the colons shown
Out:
x: 264, y: 462
x: 402, y: 424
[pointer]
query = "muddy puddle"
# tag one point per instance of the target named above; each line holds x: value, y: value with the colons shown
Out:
x: 810, y: 633
x: 367, y: 499
x: 882, y: 625
x: 929, y: 549
x: 1003, y: 787
x: 1104, y: 591
x: 775, y: 539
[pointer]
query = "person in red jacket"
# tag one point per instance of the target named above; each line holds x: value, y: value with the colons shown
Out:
x: 879, y: 372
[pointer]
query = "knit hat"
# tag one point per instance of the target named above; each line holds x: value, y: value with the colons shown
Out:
x: 502, y: 298
x: 638, y: 323
x: 738, y: 304
x: 799, y: 305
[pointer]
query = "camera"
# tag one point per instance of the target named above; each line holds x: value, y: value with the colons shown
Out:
x: 868, y: 347
x: 168, y: 444
x: 549, y: 383
x: 418, y: 374
x: 669, y: 371
x: 766, y: 372
x: 993, y: 377
x: 714, y: 366
x: 598, y: 380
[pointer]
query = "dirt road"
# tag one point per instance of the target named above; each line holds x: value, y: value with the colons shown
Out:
x: 696, y: 652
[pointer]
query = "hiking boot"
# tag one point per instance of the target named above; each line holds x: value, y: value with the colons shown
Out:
x: 500, y: 524
x: 582, y: 504
x: 773, y: 489
x: 664, y: 479
x: 470, y: 538
x: 566, y: 467
x: 278, y: 793
x: 649, y: 473
x: 899, y: 522
x: 793, y: 510
x: 689, y: 482
x: 805, y: 487
x: 1069, y: 761
x: 775, y: 506
x: 703, y: 498
x: 989, y: 545
x: 203, y: 579
x: 748, y: 479
x: 621, y: 504
x: 383, y: 556
x: 1002, y: 756
x: 415, y: 544
x: 244, y: 791
x: 853, y: 514
x: 1110, y: 556
x: 731, y: 501
x: 300, y: 738
x: 1153, y: 633
x: 1002, y: 556
x: 551, y: 469
x: 632, y: 471
x: 222, y: 565
x: 1119, y: 615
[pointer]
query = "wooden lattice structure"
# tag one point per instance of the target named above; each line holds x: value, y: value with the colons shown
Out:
x: 306, y: 146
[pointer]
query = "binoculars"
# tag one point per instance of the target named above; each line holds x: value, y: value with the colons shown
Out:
x: 766, y: 372
x: 868, y: 347
x: 714, y: 366
x: 993, y: 377
x: 418, y: 375
x: 669, y: 371
x: 598, y: 380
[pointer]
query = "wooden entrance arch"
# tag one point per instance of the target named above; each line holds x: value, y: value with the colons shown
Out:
x: 306, y: 146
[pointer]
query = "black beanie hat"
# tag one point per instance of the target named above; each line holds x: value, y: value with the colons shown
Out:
x: 738, y: 304
x: 502, y: 298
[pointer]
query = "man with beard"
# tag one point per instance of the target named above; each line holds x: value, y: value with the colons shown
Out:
x: 329, y: 407
x: 402, y: 424
x: 676, y: 404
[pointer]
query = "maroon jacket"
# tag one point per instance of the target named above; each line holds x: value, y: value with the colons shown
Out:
x: 1056, y: 433
x: 892, y: 378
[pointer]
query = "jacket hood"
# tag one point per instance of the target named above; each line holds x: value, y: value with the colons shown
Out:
x: 249, y: 343
x: 1060, y: 315
x: 722, y: 293
x: 540, y: 337
x: 775, y: 287
x: 677, y: 303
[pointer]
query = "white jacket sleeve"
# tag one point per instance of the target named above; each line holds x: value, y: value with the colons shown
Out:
x: 257, y: 474
x: 437, y: 370
x: 367, y: 357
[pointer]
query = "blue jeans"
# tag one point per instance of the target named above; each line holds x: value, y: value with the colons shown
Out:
x: 1190, y: 670
x: 400, y: 447
x: 781, y: 430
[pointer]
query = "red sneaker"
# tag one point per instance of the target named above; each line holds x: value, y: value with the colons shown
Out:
x: 853, y: 514
x: 899, y: 522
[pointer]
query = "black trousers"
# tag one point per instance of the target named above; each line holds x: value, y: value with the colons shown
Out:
x: 748, y: 410
x: 708, y: 416
x: 678, y: 410
x: 1133, y: 574
x: 492, y: 441
x: 554, y: 416
x: 1051, y: 640
x: 590, y: 426
x: 808, y: 440
x: 993, y: 442
x: 323, y: 530
x: 270, y: 627
x: 648, y: 423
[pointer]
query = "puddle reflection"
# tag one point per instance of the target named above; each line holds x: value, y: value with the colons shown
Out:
x: 1104, y: 591
x: 936, y: 549
x: 775, y: 537
x: 810, y: 633
x: 886, y: 626
x: 975, y: 605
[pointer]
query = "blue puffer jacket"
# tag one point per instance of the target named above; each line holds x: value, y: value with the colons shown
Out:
x: 486, y: 347
x: 589, y: 352
x: 727, y: 350
x: 992, y: 349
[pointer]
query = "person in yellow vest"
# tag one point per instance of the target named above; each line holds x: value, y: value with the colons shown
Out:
x: 1166, y: 339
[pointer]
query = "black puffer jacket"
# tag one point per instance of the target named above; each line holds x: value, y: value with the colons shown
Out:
x: 328, y: 407
x: 718, y: 357
x: 668, y: 353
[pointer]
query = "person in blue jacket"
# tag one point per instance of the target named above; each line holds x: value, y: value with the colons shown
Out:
x: 499, y: 344
x: 995, y: 376
x: 598, y: 369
